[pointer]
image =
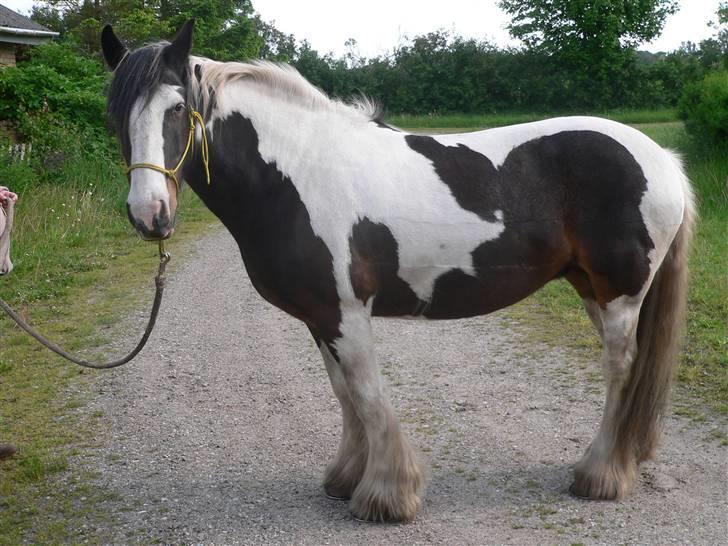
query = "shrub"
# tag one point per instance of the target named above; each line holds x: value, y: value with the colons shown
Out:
x: 16, y: 174
x: 60, y: 150
x: 55, y: 100
x: 704, y: 107
x: 57, y: 80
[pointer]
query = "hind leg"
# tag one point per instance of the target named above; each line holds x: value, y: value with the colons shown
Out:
x: 592, y: 309
x: 581, y: 282
x: 609, y: 468
x: 391, y: 485
x: 345, y: 472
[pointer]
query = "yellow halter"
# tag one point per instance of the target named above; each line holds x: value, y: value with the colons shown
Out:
x: 194, y: 117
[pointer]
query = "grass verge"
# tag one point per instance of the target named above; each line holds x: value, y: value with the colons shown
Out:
x: 485, y: 121
x: 79, y: 268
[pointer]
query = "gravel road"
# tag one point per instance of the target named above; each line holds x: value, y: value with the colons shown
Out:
x: 219, y: 433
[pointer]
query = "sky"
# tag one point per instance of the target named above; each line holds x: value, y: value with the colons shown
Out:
x: 378, y: 26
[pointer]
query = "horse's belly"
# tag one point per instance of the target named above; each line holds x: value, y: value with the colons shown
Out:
x: 457, y: 294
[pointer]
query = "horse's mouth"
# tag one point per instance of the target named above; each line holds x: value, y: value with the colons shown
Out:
x: 153, y: 238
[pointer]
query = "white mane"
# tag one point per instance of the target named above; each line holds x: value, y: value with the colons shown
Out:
x: 282, y: 80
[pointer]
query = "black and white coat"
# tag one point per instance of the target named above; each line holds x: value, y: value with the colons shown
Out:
x: 339, y: 217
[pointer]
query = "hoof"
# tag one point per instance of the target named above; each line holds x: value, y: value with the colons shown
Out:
x: 338, y: 492
x: 341, y: 480
x: 364, y: 520
x: 336, y: 497
x: 385, y: 508
x: 602, y: 482
x: 573, y: 490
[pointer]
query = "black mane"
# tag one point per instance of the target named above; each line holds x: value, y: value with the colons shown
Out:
x: 137, y: 75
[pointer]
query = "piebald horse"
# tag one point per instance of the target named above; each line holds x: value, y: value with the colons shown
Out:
x: 340, y: 217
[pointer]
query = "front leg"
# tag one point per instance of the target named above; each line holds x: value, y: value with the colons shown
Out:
x: 345, y: 472
x: 391, y: 486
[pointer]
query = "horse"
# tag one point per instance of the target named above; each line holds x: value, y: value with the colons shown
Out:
x: 340, y: 217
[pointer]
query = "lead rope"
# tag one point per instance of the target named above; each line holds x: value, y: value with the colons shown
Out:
x: 159, y: 281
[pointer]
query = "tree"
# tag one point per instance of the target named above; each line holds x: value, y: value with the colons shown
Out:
x: 558, y: 26
x: 225, y: 30
x: 719, y: 44
x: 592, y: 40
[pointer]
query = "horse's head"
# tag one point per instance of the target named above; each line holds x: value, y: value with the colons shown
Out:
x: 6, y: 225
x: 149, y: 104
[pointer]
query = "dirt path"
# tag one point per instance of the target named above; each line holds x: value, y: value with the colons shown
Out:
x: 219, y: 433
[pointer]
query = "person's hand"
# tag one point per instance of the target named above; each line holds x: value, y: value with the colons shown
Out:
x: 6, y: 196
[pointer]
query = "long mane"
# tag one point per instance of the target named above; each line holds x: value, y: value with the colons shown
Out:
x: 280, y: 79
x: 141, y: 72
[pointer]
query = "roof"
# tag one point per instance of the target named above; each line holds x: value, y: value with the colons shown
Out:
x: 11, y: 19
x: 19, y: 29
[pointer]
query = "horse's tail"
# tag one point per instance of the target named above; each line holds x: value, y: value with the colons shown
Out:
x: 659, y: 333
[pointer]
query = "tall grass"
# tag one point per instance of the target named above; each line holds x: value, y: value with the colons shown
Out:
x: 704, y: 367
x: 61, y: 230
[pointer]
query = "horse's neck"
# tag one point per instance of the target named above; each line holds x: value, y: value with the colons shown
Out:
x: 249, y: 139
x: 265, y: 148
x: 288, y: 132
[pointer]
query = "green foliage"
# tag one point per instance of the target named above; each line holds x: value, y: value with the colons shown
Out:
x: 16, y: 174
x: 440, y: 73
x: 55, y: 100
x: 721, y: 38
x: 59, y: 143
x: 57, y: 80
x: 225, y: 29
x: 704, y: 106
x: 590, y: 44
x: 585, y: 62
x: 562, y: 27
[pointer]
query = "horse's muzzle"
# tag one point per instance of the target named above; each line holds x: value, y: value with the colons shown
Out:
x: 162, y: 224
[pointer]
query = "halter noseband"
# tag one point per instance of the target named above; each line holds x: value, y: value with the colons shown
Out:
x: 194, y: 118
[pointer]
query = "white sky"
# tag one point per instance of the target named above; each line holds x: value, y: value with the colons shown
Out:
x: 379, y: 25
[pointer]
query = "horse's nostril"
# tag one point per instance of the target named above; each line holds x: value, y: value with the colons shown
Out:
x: 161, y: 218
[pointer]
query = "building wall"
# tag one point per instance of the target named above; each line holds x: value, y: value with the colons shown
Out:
x: 7, y: 54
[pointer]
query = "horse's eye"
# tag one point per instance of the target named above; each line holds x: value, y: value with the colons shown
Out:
x: 179, y: 107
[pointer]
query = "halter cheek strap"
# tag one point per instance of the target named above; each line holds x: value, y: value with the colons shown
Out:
x: 194, y: 118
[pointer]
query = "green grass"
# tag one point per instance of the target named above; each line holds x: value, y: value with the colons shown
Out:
x: 554, y: 314
x: 79, y: 268
x: 484, y: 121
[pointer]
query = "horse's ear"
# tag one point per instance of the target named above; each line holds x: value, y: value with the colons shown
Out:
x: 112, y: 47
x: 176, y: 53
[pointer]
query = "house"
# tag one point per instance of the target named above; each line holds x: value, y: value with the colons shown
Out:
x: 16, y: 29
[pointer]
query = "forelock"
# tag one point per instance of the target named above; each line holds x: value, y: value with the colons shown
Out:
x: 137, y: 76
